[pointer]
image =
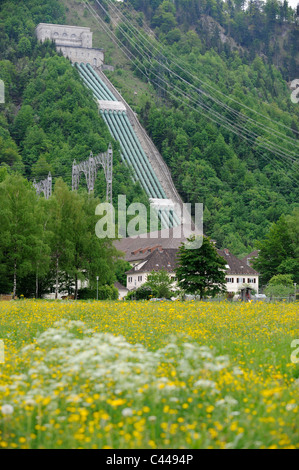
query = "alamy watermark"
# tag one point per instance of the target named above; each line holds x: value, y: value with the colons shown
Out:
x: 2, y: 92
x: 137, y: 221
x: 295, y: 94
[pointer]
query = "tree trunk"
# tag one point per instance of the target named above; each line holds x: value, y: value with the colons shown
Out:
x: 76, y: 286
x: 56, y: 281
x: 14, y: 280
x: 36, y: 285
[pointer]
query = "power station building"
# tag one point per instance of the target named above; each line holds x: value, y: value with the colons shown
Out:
x: 74, y: 42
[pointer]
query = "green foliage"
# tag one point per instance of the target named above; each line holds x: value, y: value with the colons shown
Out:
x: 50, y: 245
x: 201, y: 271
x: 279, y: 252
x: 143, y: 292
x: 279, y: 291
x: 105, y: 292
x: 76, y: 251
x: 281, y: 279
x: 121, y: 266
x: 280, y: 286
x: 50, y: 118
x: 255, y: 26
x: 243, y: 187
x: 160, y: 284
x: 21, y: 241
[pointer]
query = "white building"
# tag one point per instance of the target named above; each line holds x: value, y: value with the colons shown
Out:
x: 122, y: 290
x: 75, y: 42
x: 239, y: 274
x: 158, y: 259
x: 155, y: 252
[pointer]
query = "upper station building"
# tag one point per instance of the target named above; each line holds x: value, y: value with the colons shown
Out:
x: 75, y: 42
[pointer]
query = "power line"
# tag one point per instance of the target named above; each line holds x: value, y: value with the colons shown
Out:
x: 230, y: 110
x: 225, y: 123
x: 273, y: 149
x: 174, y: 61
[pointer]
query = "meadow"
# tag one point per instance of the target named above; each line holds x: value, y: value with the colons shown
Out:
x: 128, y: 375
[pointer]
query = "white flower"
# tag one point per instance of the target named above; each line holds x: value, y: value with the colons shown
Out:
x: 226, y: 401
x: 127, y: 412
x: 30, y: 402
x: 7, y: 410
x: 205, y: 383
x: 291, y: 406
x: 237, y: 371
x: 152, y: 418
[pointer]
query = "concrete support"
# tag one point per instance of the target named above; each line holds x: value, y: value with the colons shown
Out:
x: 90, y: 168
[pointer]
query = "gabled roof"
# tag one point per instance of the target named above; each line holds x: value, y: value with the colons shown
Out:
x: 159, y: 250
x: 156, y: 261
x: 235, y: 265
x: 139, y: 247
x: 119, y: 286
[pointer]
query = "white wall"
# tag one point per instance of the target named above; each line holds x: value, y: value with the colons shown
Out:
x: 73, y: 41
x: 94, y: 57
x: 238, y: 282
x: 133, y: 282
x: 65, y: 35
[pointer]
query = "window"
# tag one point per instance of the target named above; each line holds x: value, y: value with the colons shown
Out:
x: 139, y: 278
x: 229, y: 279
x: 130, y: 279
x: 251, y: 280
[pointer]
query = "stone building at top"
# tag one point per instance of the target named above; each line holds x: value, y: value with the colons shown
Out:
x: 75, y: 42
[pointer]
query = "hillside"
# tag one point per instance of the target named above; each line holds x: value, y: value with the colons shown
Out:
x: 212, y: 92
x: 245, y: 183
x: 49, y: 118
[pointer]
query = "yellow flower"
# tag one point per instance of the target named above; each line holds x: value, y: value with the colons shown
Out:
x: 210, y: 408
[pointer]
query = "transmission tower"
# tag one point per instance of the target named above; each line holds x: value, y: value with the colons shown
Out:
x: 90, y: 167
x: 44, y: 186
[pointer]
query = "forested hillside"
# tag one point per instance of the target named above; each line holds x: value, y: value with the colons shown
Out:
x: 49, y: 118
x: 211, y: 90
x: 222, y: 116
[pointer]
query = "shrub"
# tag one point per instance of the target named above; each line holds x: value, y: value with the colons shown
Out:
x: 142, y: 293
x: 104, y: 293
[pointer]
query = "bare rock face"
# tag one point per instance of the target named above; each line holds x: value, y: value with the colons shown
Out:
x: 207, y: 23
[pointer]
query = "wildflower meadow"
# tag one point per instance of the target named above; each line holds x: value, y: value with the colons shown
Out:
x: 151, y: 375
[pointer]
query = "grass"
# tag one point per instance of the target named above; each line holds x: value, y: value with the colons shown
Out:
x: 148, y: 375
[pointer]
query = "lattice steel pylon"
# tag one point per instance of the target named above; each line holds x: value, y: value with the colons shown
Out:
x: 44, y: 186
x: 90, y: 167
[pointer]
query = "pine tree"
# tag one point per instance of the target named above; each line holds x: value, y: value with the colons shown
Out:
x: 201, y: 271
